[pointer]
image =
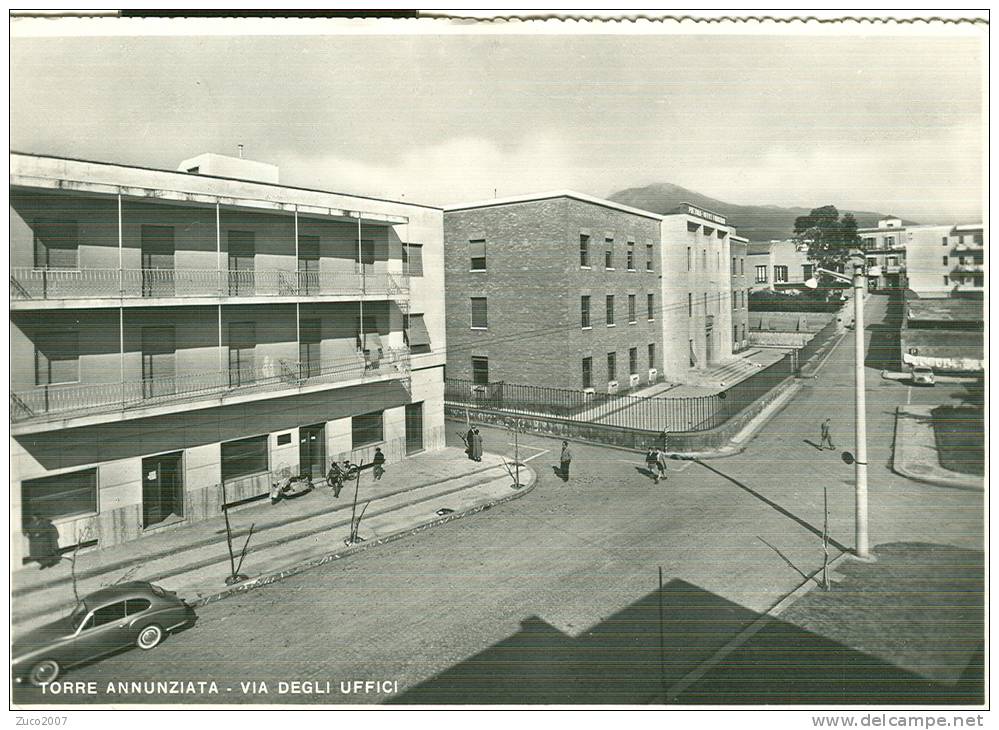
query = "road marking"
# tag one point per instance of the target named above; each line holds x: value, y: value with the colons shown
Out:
x: 535, y: 448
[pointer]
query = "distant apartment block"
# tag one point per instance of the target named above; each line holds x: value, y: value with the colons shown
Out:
x: 946, y: 261
x: 570, y: 291
x: 739, y: 253
x: 779, y: 265
x: 177, y: 332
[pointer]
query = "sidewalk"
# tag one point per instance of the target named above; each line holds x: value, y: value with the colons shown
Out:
x: 287, y: 537
x: 916, y: 456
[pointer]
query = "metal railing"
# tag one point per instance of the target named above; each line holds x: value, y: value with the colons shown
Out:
x: 61, y: 400
x: 968, y: 269
x: 698, y: 413
x: 48, y: 284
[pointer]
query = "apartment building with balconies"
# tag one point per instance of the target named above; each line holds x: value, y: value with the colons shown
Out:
x: 181, y: 338
x: 943, y: 261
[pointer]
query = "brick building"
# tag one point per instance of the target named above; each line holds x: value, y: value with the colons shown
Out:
x: 570, y: 291
x: 559, y: 289
x: 176, y: 331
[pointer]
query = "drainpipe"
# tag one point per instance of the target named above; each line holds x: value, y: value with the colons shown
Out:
x: 121, y: 280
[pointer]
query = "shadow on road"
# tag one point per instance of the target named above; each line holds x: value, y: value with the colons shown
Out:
x: 770, y: 503
x: 641, y: 653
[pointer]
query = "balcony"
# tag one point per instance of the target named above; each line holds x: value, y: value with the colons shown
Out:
x: 968, y: 269
x: 31, y: 410
x: 53, y: 285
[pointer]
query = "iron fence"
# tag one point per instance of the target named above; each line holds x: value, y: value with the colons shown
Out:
x: 697, y: 413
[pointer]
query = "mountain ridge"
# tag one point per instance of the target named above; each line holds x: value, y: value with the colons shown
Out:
x: 758, y: 223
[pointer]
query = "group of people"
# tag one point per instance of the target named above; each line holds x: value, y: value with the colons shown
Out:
x: 338, y: 473
x: 473, y: 444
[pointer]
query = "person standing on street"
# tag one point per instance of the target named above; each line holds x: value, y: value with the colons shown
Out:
x: 826, y: 436
x: 661, y: 465
x: 469, y: 439
x: 379, y: 461
x: 652, y: 463
x: 476, y: 445
x: 565, y: 460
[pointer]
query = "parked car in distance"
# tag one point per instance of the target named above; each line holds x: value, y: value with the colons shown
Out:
x: 128, y: 614
x: 922, y: 376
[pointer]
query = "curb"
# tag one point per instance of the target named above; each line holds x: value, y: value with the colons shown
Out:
x: 814, y: 371
x: 123, y: 564
x: 963, y: 483
x: 270, y: 578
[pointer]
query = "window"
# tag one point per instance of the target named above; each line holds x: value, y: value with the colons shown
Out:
x: 806, y: 271
x: 631, y: 255
x: 416, y: 335
x: 106, y: 615
x: 480, y: 370
x: 633, y: 361
x: 978, y: 238
x: 692, y: 227
x: 889, y: 241
x: 56, y: 245
x: 136, y: 605
x: 652, y: 355
x: 649, y: 265
x: 761, y: 274
x: 960, y: 240
x: 704, y: 259
x: 283, y: 438
x: 584, y: 312
x: 944, y: 260
x: 59, y: 496
x: 610, y: 310
x: 650, y: 306
x: 57, y: 358
x: 412, y: 259
x: 690, y: 304
x: 717, y: 260
x: 244, y: 457
x: 735, y: 300
x: 735, y: 334
x: 742, y: 265
x: 587, y: 372
x: 892, y: 261
x: 943, y: 241
x: 366, y: 429
x: 367, y: 251
x: 477, y: 254
x: 611, y: 366
x: 780, y: 274
x: 733, y: 266
x: 869, y: 242
x: 946, y: 281
x: 743, y: 333
x: 584, y: 250
x: 609, y: 253
x: 689, y: 258
x: 480, y: 311
x: 632, y: 311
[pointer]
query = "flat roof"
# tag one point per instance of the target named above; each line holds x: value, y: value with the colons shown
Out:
x: 221, y: 177
x: 946, y: 310
x: 583, y: 197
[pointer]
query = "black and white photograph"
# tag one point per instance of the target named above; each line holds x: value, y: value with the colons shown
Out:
x: 414, y: 360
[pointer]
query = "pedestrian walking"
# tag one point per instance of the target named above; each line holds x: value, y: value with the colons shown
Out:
x: 476, y: 445
x: 379, y: 461
x: 661, y: 466
x: 664, y: 440
x: 826, y: 436
x: 334, y: 477
x: 652, y: 463
x: 565, y: 460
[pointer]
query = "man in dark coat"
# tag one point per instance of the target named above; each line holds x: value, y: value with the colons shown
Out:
x: 469, y: 438
x: 565, y: 460
x: 379, y: 461
x: 826, y: 433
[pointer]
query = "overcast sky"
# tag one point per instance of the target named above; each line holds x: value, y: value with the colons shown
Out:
x: 886, y: 124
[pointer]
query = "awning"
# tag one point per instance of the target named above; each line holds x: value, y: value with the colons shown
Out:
x: 418, y: 334
x: 372, y: 341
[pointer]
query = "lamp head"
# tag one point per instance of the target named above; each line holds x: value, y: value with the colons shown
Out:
x: 812, y: 283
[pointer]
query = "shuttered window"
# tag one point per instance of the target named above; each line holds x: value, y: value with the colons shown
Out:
x: 417, y: 335
x: 480, y: 311
x: 477, y: 254
x: 412, y: 259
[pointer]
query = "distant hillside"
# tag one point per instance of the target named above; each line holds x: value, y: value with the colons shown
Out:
x: 755, y: 222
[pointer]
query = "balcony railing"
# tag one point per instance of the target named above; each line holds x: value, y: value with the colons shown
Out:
x: 50, y: 284
x: 968, y: 269
x: 56, y: 401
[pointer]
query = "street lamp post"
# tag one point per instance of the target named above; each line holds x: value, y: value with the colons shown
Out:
x: 859, y: 282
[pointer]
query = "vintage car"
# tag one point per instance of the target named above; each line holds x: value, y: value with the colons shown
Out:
x: 922, y: 375
x: 129, y: 614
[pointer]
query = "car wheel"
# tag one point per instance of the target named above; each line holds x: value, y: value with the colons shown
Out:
x: 149, y: 637
x: 44, y: 672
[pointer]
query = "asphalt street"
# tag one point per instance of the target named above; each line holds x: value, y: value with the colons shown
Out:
x: 553, y: 598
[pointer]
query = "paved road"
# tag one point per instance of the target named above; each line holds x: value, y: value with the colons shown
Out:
x: 553, y: 597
